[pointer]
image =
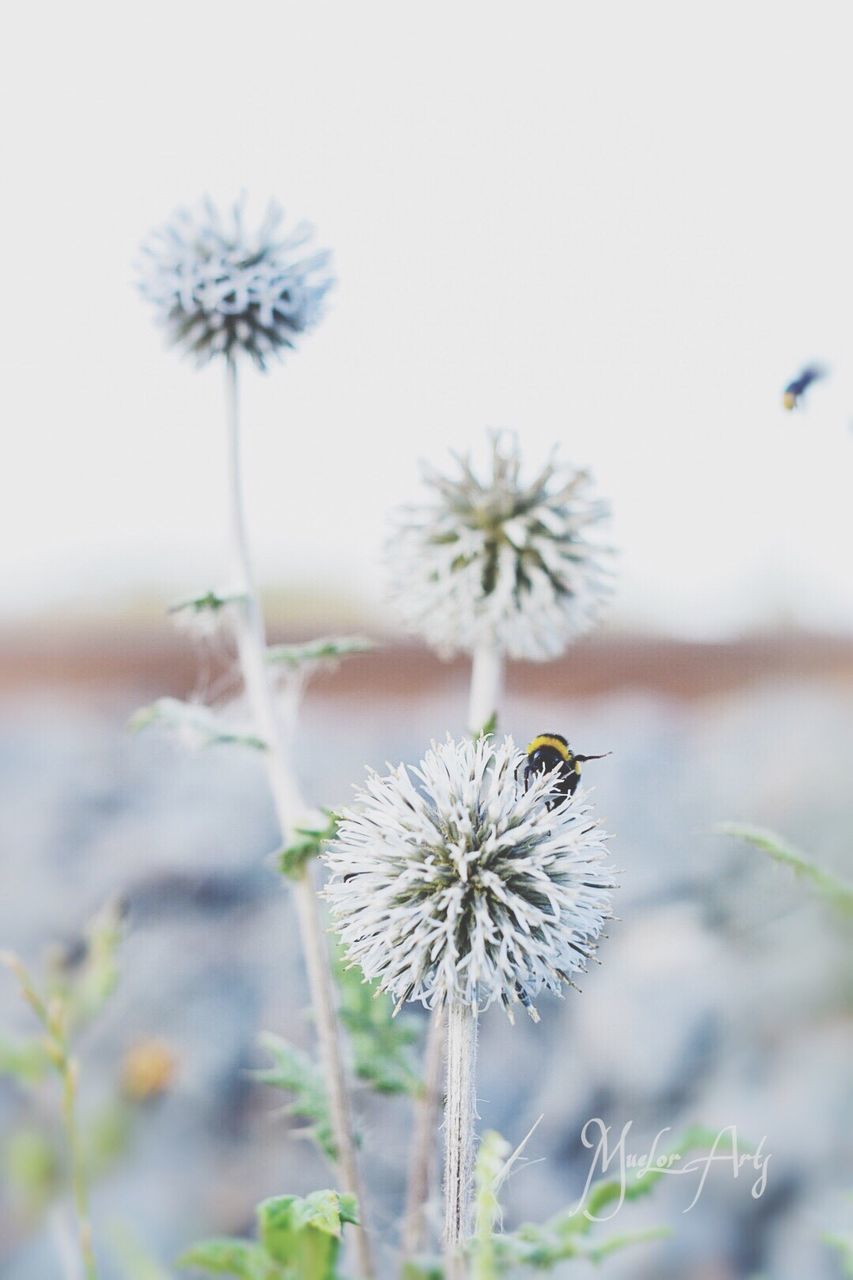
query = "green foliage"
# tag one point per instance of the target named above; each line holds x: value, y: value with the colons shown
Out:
x: 210, y: 602
x: 134, y: 1260
x: 293, y: 860
x: 226, y: 1257
x: 92, y: 985
x: 418, y: 1270
x: 107, y: 1137
x: 299, y: 1239
x: 838, y: 892
x: 328, y: 649
x: 25, y: 1061
x: 196, y: 725
x: 294, y: 1072
x: 489, y: 727
x: 566, y: 1236
x: 842, y: 1242
x: 31, y: 1167
x: 381, y: 1044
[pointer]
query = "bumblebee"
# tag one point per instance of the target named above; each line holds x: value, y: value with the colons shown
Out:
x: 797, y: 388
x: 550, y: 751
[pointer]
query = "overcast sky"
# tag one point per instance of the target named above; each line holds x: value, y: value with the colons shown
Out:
x: 620, y: 226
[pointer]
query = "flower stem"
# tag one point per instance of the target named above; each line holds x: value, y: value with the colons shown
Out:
x: 422, y: 1157
x: 487, y: 670
x: 460, y: 1111
x: 68, y: 1071
x: 251, y: 647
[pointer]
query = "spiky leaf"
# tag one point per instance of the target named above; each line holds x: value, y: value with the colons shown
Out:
x: 294, y: 1072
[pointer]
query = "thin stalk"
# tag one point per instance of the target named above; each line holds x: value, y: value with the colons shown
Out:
x: 460, y: 1112
x: 422, y: 1158
x: 486, y: 690
x: 251, y: 648
x: 487, y: 673
x: 79, y: 1186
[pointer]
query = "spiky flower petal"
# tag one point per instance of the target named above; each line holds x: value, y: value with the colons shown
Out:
x: 456, y: 882
x: 499, y: 560
x: 222, y: 289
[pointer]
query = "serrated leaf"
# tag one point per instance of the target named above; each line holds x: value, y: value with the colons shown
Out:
x: 293, y: 859
x: 837, y: 891
x: 304, y: 1234
x: 381, y: 1044
x: 563, y: 1237
x: 196, y: 725
x: 327, y: 649
x: 227, y: 1256
x: 294, y: 1071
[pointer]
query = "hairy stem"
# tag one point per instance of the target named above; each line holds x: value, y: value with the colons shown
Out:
x: 251, y: 647
x: 487, y: 670
x: 460, y: 1111
x: 486, y: 689
x: 423, y: 1154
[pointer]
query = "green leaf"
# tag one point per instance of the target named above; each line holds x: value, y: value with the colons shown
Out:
x: 489, y: 727
x: 134, y: 1260
x: 381, y: 1044
x: 293, y: 860
x: 32, y: 1166
x: 491, y: 1162
x: 565, y: 1236
x: 418, y: 1269
x: 24, y: 1061
x: 196, y: 725
x: 231, y: 1257
x: 98, y: 976
x: 328, y: 649
x: 837, y: 891
x: 842, y: 1242
x: 294, y: 1071
x: 305, y: 1234
x: 209, y: 602
x: 106, y: 1138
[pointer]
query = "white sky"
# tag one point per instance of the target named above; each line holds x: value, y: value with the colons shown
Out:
x: 619, y: 225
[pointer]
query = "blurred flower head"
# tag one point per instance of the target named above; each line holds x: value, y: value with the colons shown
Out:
x: 222, y: 289
x: 496, y: 559
x: 454, y: 882
x: 147, y: 1070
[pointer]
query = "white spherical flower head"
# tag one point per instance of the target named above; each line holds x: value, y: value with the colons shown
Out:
x: 498, y: 560
x: 222, y: 289
x: 459, y: 881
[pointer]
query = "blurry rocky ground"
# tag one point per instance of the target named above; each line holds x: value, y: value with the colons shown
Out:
x: 720, y: 1000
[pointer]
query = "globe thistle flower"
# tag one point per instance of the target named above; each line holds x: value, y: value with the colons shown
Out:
x: 456, y: 883
x: 221, y: 288
x: 496, y: 560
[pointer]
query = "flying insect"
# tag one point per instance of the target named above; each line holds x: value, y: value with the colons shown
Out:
x: 797, y: 388
x: 551, y: 751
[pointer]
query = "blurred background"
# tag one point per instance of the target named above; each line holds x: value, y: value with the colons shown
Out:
x: 615, y: 228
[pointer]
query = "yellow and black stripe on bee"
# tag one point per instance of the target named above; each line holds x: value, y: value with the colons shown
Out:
x: 551, y: 751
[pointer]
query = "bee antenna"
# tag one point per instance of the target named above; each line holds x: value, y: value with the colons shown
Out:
x: 601, y: 757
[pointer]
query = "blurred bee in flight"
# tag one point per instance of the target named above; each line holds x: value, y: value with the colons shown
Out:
x: 550, y: 751
x: 796, y: 389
